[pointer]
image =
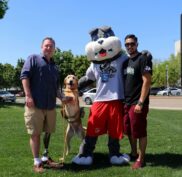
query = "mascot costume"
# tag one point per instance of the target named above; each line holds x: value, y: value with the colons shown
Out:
x: 106, y: 113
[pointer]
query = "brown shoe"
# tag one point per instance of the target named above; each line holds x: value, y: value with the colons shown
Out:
x: 138, y: 164
x: 38, y: 168
x: 52, y: 164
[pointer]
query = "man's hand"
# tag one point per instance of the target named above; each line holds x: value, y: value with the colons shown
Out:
x: 29, y: 102
x: 138, y: 109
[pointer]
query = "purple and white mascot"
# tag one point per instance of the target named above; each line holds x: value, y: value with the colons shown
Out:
x: 106, y: 113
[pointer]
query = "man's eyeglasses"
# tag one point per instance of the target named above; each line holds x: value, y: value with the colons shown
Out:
x: 132, y: 44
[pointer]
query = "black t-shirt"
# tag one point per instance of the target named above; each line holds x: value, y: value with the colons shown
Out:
x: 133, y: 69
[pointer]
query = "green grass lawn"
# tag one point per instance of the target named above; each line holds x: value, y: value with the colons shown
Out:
x: 163, y: 158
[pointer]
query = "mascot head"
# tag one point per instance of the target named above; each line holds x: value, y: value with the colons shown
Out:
x: 104, y: 45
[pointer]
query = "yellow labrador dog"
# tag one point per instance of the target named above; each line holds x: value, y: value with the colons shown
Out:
x: 72, y: 112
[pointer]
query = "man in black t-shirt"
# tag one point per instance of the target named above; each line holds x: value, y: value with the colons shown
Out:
x: 137, y: 80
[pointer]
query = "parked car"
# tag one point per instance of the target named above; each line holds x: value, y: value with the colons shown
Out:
x: 170, y: 91
x: 7, y: 96
x: 83, y: 90
x: 89, y: 96
x: 155, y: 90
x: 20, y: 94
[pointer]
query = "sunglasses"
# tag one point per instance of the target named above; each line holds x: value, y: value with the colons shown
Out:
x: 132, y: 44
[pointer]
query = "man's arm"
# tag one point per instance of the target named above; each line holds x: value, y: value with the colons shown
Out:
x: 28, y: 96
x: 144, y: 92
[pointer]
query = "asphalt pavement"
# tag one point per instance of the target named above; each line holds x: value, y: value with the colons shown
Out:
x: 166, y: 102
x: 156, y: 102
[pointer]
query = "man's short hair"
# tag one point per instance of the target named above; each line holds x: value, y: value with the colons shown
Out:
x: 49, y: 38
x: 131, y: 36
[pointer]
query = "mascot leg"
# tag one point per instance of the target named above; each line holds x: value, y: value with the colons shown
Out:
x: 114, y: 147
x: 46, y: 140
x: 85, y: 156
x: 114, y: 152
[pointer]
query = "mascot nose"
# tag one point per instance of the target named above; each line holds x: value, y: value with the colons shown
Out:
x: 100, y: 42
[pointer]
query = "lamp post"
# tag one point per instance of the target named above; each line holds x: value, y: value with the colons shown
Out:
x: 181, y: 48
x: 167, y: 77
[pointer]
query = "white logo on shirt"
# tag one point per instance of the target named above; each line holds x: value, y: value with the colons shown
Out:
x: 130, y: 70
x: 147, y: 68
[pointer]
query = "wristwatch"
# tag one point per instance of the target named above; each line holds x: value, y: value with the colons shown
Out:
x: 139, y: 103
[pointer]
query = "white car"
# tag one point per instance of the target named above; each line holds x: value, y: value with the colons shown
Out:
x: 7, y: 96
x: 170, y: 91
x: 89, y: 96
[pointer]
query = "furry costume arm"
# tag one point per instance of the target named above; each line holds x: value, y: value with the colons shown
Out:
x: 84, y: 82
x: 147, y: 54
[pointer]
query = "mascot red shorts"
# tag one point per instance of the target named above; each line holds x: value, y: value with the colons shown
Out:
x: 106, y: 117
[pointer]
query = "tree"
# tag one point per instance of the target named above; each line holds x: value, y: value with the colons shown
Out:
x: 80, y: 63
x: 3, y: 8
x: 8, y: 76
x: 158, y: 77
x: 174, y: 70
x: 1, y: 76
x: 68, y: 64
x: 170, y: 67
x: 57, y: 56
x: 64, y: 62
x: 19, y: 66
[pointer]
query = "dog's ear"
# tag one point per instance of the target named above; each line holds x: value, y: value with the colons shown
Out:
x: 65, y: 81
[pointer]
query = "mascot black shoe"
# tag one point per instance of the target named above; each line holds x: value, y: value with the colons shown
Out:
x: 106, y: 112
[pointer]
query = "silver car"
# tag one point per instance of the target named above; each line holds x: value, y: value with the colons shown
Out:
x: 7, y: 96
x: 170, y: 91
x: 89, y: 96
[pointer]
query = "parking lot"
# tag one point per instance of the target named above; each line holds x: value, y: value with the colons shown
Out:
x: 159, y: 102
x: 156, y: 102
x: 166, y: 102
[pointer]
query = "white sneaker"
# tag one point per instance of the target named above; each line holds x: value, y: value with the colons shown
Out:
x: 82, y: 160
x: 44, y: 158
x: 123, y: 159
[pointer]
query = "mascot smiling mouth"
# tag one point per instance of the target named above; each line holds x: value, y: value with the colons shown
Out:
x: 102, y: 53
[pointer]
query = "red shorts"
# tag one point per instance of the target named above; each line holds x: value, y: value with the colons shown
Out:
x: 135, y: 124
x: 106, y: 117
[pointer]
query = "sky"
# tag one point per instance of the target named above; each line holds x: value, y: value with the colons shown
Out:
x: 156, y: 23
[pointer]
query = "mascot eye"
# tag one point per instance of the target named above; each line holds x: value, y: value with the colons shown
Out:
x: 94, y: 37
x: 110, y: 50
x: 96, y: 53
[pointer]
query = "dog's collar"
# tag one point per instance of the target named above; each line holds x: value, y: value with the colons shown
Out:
x: 69, y: 90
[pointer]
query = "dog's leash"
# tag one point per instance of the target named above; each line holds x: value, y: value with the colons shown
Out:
x: 62, y: 159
